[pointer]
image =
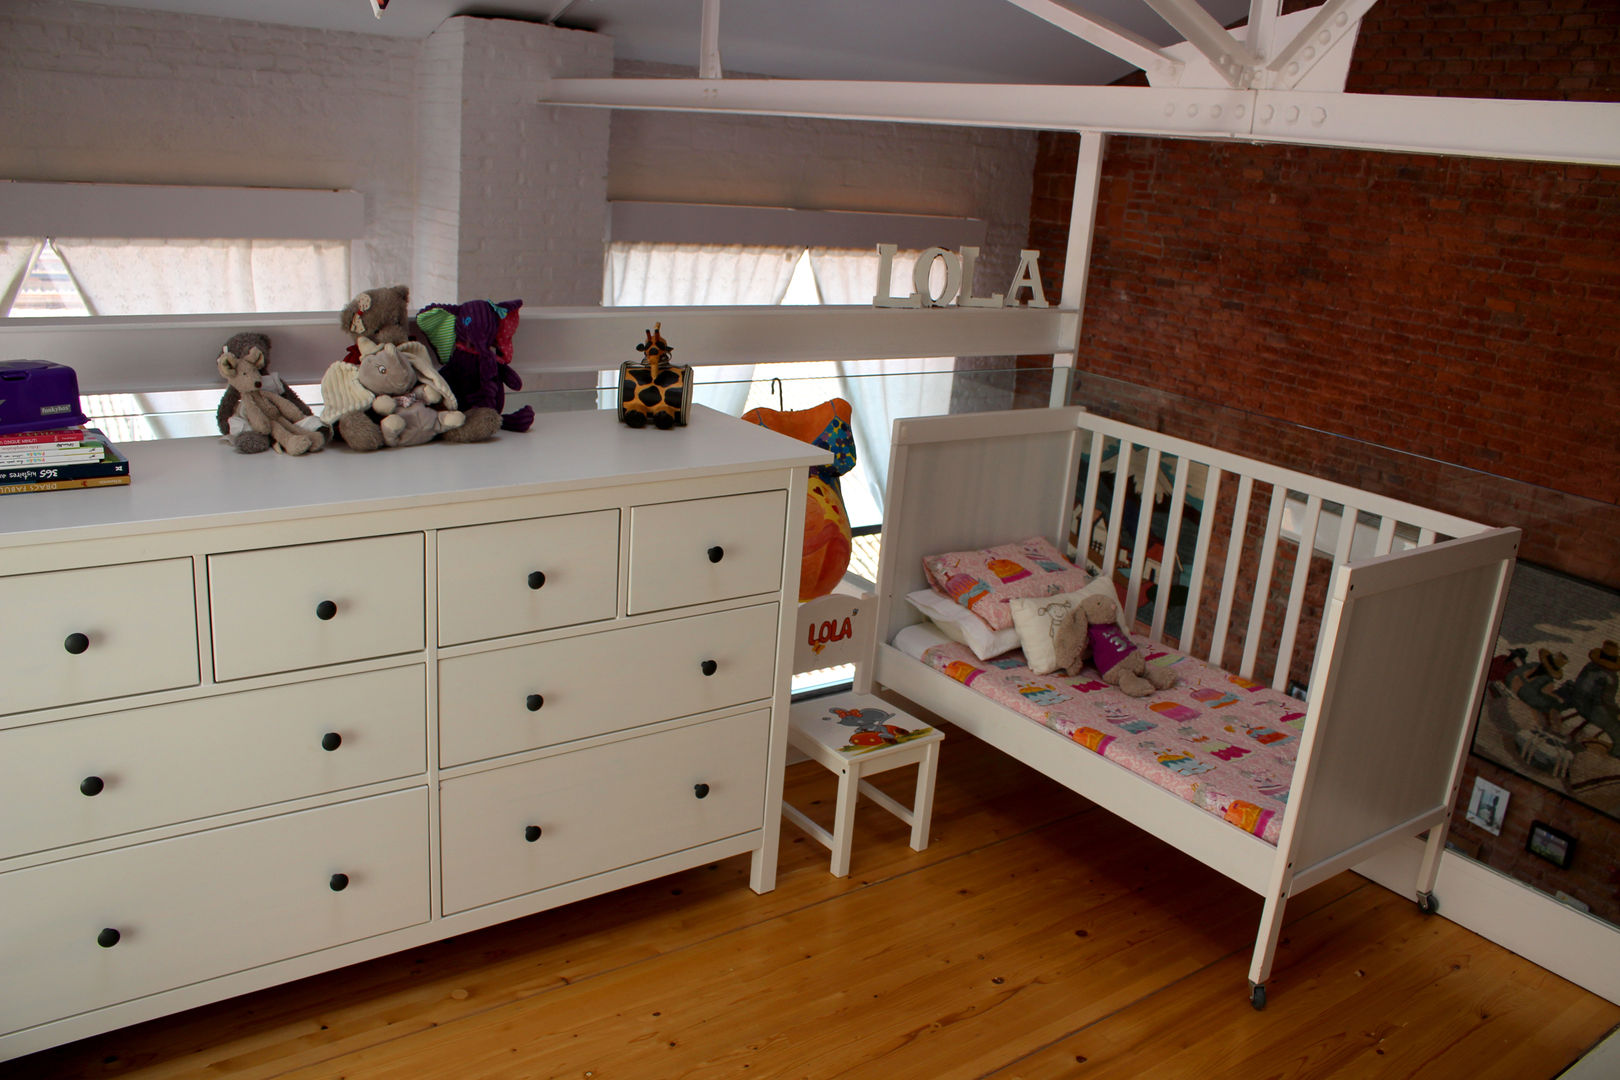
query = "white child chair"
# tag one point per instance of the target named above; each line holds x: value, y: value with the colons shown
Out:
x: 856, y: 735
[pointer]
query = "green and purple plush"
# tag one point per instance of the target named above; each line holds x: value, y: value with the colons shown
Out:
x: 474, y: 343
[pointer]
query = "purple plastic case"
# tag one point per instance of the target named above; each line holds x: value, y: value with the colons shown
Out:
x: 36, y: 395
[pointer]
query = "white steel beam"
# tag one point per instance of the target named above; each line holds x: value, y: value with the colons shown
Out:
x: 709, y: 43
x: 1262, y: 30
x: 1077, y: 259
x: 1574, y: 131
x: 1331, y: 23
x: 1232, y: 59
x: 1162, y: 69
x: 1139, y: 109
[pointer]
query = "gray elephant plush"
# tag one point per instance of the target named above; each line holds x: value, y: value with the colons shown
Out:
x: 388, y: 395
x: 379, y: 319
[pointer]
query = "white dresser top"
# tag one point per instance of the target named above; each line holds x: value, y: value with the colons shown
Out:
x: 190, y: 483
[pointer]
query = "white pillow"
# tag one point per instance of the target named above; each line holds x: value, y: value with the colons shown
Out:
x: 1036, y: 620
x: 959, y: 624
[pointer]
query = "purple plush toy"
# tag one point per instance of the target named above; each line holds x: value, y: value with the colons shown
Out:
x: 474, y: 341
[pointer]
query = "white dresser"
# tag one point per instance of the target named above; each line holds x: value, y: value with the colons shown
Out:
x: 264, y: 716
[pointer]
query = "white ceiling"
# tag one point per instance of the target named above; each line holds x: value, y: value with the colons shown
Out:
x: 908, y: 40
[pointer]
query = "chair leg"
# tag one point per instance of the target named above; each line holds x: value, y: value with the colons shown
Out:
x: 843, y: 833
x: 922, y: 807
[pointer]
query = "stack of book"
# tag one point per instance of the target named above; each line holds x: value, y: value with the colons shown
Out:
x: 59, y: 458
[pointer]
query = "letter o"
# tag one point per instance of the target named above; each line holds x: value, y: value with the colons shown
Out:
x: 923, y: 271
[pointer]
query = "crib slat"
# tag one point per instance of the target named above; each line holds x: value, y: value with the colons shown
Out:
x: 1296, y: 591
x: 1088, y: 500
x: 1122, y: 468
x: 1206, y: 528
x: 1347, y: 534
x: 1386, y: 535
x: 1172, y: 540
x: 1234, y: 553
x: 1425, y: 536
x: 1262, y: 580
x: 1065, y: 509
x: 1144, y: 526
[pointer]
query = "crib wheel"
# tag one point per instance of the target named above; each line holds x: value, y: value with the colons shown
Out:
x: 1427, y: 903
x: 1257, y: 996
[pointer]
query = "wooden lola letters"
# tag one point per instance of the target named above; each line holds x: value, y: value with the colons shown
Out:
x: 958, y: 288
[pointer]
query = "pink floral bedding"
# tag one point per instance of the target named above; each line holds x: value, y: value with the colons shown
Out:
x: 1219, y: 741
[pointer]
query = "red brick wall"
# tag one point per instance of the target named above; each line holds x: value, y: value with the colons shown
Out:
x: 1458, y: 309
x: 1446, y: 330
x: 1562, y: 50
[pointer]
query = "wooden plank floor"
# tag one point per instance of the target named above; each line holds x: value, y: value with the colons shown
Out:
x: 1036, y: 938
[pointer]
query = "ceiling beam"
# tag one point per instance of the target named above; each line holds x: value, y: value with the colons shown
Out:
x: 1262, y: 30
x: 1162, y: 69
x: 1331, y: 23
x: 709, y: 41
x: 1230, y: 57
x: 1574, y: 131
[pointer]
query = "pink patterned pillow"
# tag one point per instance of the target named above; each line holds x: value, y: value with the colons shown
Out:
x: 983, y: 581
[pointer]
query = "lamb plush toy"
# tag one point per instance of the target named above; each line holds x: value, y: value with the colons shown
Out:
x: 1092, y: 628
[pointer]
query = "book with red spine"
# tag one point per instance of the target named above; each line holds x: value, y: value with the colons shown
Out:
x: 76, y: 433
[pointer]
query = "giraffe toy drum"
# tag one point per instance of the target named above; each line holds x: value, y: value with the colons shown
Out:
x: 655, y: 390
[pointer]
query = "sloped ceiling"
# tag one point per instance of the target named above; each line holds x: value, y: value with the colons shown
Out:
x: 986, y: 41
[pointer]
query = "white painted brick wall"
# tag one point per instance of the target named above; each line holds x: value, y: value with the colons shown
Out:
x: 830, y: 165
x: 120, y: 94
x: 471, y: 189
x: 533, y: 179
x: 438, y: 166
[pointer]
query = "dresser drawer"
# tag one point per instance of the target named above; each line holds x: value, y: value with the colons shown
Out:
x: 518, y: 576
x: 84, y: 635
x: 207, y: 904
x: 513, y: 830
x: 701, y: 550
x: 539, y: 695
x: 116, y: 773
x: 283, y: 609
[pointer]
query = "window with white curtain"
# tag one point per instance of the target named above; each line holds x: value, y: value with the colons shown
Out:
x: 116, y: 276
x: 654, y: 274
x: 65, y: 276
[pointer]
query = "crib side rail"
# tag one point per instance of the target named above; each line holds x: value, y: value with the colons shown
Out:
x: 970, y: 481
x: 1406, y: 644
x: 1226, y: 556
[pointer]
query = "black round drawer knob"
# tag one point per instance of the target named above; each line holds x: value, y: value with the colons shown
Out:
x: 108, y: 938
x: 534, y: 702
x: 531, y: 833
x: 709, y: 667
x: 716, y: 553
x: 325, y: 610
x: 338, y: 883
x: 76, y: 643
x: 91, y: 785
x: 536, y: 579
x: 331, y: 741
x: 700, y: 790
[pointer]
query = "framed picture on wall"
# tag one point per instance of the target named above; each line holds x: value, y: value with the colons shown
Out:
x: 1550, y: 712
x: 1487, y: 806
x: 1551, y: 844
